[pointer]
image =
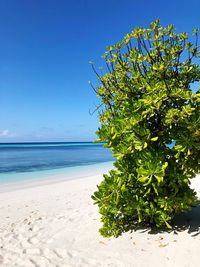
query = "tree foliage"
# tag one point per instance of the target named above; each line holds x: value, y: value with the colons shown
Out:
x: 150, y: 119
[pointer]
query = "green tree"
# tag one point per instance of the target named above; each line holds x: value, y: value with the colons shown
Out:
x: 150, y: 119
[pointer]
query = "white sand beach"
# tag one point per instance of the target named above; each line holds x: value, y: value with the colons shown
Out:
x: 53, y: 225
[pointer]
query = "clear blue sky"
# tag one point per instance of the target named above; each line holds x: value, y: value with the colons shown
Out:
x: 45, y: 49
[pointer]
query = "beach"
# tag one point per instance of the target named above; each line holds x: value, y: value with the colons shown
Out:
x: 56, y: 224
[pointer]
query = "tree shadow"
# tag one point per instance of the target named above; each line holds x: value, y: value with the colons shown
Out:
x: 189, y: 221
x: 185, y: 221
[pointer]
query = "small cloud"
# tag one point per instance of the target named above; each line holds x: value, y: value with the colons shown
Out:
x: 6, y: 133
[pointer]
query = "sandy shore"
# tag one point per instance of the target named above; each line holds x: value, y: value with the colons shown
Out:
x: 57, y: 224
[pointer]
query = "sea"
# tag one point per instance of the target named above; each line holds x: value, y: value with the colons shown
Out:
x: 31, y: 161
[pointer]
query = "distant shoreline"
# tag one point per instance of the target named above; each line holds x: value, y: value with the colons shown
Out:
x: 47, y: 143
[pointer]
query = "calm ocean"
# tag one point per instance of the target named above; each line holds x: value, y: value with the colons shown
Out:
x: 18, y: 160
x: 29, y: 157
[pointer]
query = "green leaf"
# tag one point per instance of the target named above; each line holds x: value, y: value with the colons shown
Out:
x: 159, y: 177
x: 143, y: 179
x: 154, y: 138
x: 168, y: 225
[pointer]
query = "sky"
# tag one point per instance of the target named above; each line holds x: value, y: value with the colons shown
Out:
x: 45, y: 49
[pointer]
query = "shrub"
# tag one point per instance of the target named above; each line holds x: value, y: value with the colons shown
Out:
x: 150, y: 119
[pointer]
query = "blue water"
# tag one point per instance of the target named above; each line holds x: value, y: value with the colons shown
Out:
x: 32, y: 157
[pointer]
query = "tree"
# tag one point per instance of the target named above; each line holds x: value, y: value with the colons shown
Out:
x: 150, y: 119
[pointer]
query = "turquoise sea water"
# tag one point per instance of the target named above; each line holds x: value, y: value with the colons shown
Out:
x: 30, y: 161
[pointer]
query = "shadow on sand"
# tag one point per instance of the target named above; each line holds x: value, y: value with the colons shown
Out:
x: 189, y: 221
x: 185, y: 221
